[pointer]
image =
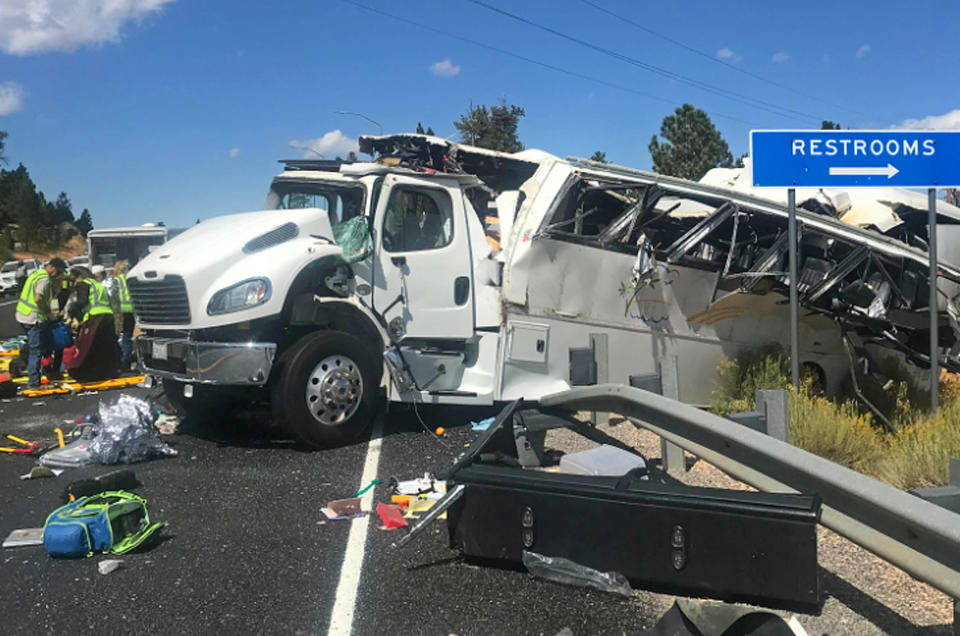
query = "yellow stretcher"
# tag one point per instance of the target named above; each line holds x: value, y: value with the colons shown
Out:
x: 64, y: 387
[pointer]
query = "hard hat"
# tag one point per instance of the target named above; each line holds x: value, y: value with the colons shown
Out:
x: 97, y: 269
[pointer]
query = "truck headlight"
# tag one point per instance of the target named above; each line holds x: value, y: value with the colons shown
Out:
x: 243, y: 295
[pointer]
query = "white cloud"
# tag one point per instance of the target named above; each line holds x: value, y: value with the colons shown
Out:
x: 234, y: 152
x: 947, y: 121
x: 330, y: 146
x: 863, y: 51
x: 11, y: 98
x: 445, y: 68
x: 728, y: 55
x: 780, y: 57
x: 38, y: 26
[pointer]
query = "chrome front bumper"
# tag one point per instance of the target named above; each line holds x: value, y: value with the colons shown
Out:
x: 226, y: 363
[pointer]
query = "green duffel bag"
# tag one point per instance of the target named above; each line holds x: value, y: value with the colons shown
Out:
x: 115, y: 522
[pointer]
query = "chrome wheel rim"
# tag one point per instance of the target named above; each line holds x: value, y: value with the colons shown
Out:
x: 334, y: 388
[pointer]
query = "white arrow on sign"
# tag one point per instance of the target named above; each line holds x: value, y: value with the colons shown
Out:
x: 864, y: 171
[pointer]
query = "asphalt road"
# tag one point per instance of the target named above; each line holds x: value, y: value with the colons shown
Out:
x: 248, y: 550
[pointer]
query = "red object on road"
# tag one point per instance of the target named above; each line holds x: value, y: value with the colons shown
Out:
x: 68, y: 355
x: 390, y: 516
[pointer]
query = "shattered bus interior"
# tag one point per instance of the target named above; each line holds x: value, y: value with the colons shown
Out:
x: 873, y: 288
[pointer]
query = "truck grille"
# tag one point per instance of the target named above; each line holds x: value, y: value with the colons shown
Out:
x: 160, y: 302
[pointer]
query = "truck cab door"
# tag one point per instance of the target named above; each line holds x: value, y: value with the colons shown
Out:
x: 423, y: 273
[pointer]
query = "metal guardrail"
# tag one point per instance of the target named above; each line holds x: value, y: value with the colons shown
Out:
x: 917, y: 536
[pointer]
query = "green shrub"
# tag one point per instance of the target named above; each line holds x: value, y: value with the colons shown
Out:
x: 738, y: 380
x: 920, y: 451
x: 916, y: 454
x: 839, y: 432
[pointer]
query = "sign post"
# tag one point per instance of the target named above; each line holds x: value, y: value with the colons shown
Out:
x: 858, y: 159
x: 934, y: 300
x: 794, y: 303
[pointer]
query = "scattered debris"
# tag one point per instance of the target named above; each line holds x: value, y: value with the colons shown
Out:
x: 373, y: 483
x: 75, y: 454
x: 25, y: 447
x: 560, y: 570
x: 41, y: 472
x: 24, y: 537
x: 418, y: 506
x: 602, y: 460
x: 345, y: 507
x: 390, y: 516
x: 167, y: 424
x: 115, y: 480
x: 126, y: 433
x: 66, y: 387
x: 422, y: 485
x: 482, y: 425
x: 401, y: 500
x: 109, y: 565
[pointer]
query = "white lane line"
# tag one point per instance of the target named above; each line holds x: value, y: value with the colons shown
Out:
x: 9, y: 302
x: 341, y: 618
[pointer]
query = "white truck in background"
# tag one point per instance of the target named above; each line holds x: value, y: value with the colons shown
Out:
x: 108, y: 245
x: 487, y: 276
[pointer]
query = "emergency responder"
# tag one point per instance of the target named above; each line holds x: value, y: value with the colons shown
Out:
x: 97, y: 357
x: 35, y: 314
x: 126, y: 319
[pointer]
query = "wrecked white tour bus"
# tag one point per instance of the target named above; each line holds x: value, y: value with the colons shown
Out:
x: 469, y: 276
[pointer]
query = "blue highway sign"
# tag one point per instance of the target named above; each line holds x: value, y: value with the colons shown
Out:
x: 855, y: 158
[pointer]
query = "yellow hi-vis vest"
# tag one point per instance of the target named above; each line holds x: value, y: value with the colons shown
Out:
x: 99, y: 300
x: 28, y: 295
x: 126, y: 305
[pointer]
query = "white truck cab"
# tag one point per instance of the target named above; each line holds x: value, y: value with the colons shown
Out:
x: 466, y: 276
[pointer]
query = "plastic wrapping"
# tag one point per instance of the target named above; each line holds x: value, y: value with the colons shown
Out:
x: 353, y: 236
x: 560, y: 570
x: 126, y: 433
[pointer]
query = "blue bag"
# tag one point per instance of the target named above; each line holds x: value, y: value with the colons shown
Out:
x: 114, y: 522
x: 61, y: 335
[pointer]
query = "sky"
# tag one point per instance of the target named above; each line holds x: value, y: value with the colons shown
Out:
x: 174, y: 110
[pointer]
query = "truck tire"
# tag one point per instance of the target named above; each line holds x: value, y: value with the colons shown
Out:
x: 327, y: 388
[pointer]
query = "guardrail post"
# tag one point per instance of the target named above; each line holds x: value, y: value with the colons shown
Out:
x: 671, y: 455
x: 598, y: 342
x: 774, y: 405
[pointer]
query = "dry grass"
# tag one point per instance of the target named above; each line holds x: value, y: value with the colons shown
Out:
x: 916, y: 454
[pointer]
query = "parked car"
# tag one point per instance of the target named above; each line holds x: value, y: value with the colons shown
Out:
x: 8, y: 277
x: 8, y: 274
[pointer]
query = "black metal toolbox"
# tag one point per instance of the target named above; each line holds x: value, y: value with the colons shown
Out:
x: 661, y: 534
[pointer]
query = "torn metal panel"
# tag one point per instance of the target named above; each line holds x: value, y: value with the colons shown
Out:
x: 870, y: 282
x: 424, y: 153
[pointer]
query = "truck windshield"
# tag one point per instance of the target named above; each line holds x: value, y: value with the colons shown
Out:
x: 340, y: 203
